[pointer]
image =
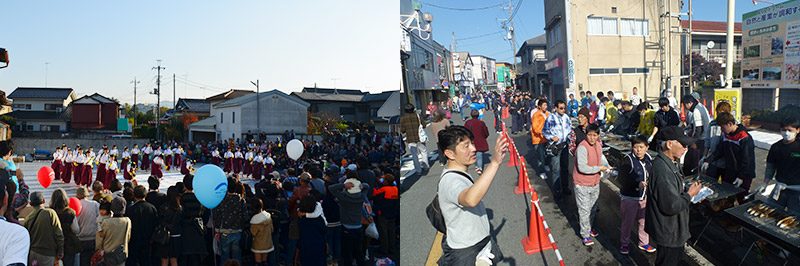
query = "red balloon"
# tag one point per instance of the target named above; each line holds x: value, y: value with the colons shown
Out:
x: 75, y: 204
x: 46, y: 176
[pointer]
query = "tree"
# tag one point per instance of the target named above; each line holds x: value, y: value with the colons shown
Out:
x: 702, y: 69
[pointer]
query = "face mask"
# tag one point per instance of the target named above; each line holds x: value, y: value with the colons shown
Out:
x: 788, y: 136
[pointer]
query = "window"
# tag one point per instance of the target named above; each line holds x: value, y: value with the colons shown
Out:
x: 48, y: 128
x: 601, y: 26
x: 29, y: 127
x: 52, y: 107
x: 347, y: 111
x: 635, y: 70
x: 633, y: 27
x: 603, y: 71
x: 21, y: 106
x: 221, y: 117
x: 233, y: 118
x: 553, y: 36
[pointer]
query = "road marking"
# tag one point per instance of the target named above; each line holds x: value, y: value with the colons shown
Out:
x: 436, y: 250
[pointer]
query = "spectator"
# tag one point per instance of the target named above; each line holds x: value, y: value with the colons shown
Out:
x: 556, y: 130
x: 410, y: 126
x: 667, y: 211
x: 144, y: 219
x: 589, y: 162
x: 114, y: 234
x: 480, y: 133
x: 47, y: 239
x: 261, y: 228
x: 738, y: 150
x: 387, y: 203
x: 192, y: 227
x: 351, y: 199
x: 15, y: 242
x: 87, y: 225
x: 572, y: 106
x: 712, y: 167
x: 646, y: 119
x: 698, y: 128
x: 439, y: 123
x: 537, y: 137
x: 635, y: 99
x: 170, y: 217
x: 633, y: 176
x: 153, y: 195
x: 461, y: 200
x: 312, y: 232
x: 664, y: 117
x: 229, y: 218
x: 330, y: 207
x: 69, y: 224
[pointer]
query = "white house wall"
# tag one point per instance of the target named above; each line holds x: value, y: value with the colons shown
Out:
x: 277, y: 115
x: 229, y: 128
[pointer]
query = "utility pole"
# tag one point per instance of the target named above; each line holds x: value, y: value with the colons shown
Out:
x: 134, y: 99
x: 157, y: 92
x: 509, y: 26
x: 258, y: 108
x: 174, y: 103
x: 691, y: 80
x: 334, y: 85
x: 45, y: 73
x: 453, y: 43
x: 729, y: 46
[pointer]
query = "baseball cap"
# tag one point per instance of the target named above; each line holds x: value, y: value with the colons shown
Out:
x: 676, y: 133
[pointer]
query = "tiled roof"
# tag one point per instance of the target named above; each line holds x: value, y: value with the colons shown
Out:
x: 229, y: 95
x: 711, y: 26
x: 252, y: 97
x: 377, y: 97
x: 41, y: 93
x: 195, y: 105
x: 312, y: 96
x: 333, y: 91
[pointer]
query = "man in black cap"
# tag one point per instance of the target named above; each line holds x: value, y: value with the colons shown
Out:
x: 667, y: 214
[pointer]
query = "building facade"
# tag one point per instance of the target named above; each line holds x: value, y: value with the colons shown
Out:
x: 462, y: 72
x: 612, y: 45
x: 94, y: 112
x: 484, y: 72
x: 41, y: 109
x: 531, y: 73
x: 426, y: 59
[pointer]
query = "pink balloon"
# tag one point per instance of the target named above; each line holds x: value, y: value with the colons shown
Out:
x: 46, y: 176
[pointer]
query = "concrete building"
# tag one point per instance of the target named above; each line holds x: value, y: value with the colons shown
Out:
x: 238, y: 118
x: 484, y: 72
x: 349, y: 105
x: 462, y: 72
x: 41, y: 109
x: 532, y: 73
x: 444, y: 59
x: 612, y: 45
x: 422, y: 68
x: 94, y: 112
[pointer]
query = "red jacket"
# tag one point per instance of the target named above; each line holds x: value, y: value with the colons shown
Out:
x: 480, y: 133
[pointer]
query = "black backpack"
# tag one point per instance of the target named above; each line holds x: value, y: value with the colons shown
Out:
x: 434, y: 212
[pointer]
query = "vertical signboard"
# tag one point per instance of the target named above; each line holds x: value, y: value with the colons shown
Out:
x: 732, y: 96
x: 771, y: 47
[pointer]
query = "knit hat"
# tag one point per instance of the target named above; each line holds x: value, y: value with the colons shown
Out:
x: 583, y: 111
x: 118, y: 205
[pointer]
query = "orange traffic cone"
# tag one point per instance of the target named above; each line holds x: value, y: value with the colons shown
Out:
x: 537, y: 239
x: 523, y: 183
x: 513, y: 153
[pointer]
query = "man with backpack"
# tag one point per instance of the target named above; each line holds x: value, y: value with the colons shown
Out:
x: 460, y: 198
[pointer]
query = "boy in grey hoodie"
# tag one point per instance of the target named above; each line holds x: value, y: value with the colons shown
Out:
x: 351, y: 195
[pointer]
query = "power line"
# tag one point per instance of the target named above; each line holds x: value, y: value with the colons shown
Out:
x: 515, y: 10
x: 461, y: 9
x: 179, y: 78
x: 479, y: 36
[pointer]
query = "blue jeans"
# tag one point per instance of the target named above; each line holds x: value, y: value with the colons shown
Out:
x: 229, y: 247
x: 333, y: 237
x: 540, y: 156
x: 479, y: 161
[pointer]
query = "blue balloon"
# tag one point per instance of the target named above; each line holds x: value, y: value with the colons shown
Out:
x: 210, y: 185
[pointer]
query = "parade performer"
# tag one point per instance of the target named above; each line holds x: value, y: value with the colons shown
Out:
x: 215, y: 157
x: 155, y: 170
x: 102, y: 161
x: 112, y: 169
x: 268, y: 164
x: 248, y: 163
x: 66, y: 171
x: 57, y: 162
x: 88, y: 164
x: 114, y: 151
x: 187, y: 167
x: 258, y: 165
x: 129, y: 171
x: 178, y: 155
x: 126, y: 156
x: 147, y: 150
x: 167, y: 157
x: 228, y: 161
x: 135, y: 153
x: 77, y: 167
x: 238, y: 161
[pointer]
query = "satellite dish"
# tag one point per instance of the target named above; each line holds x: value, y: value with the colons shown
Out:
x: 710, y: 44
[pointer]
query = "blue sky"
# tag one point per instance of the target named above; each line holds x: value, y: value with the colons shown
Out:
x: 212, y: 46
x: 529, y: 22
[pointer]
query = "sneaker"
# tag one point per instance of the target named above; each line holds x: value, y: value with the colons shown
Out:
x: 593, y: 233
x: 647, y: 248
x: 624, y: 250
x: 587, y: 241
x: 543, y: 176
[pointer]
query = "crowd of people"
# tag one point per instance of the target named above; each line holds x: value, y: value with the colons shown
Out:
x: 654, y: 196
x: 338, y: 204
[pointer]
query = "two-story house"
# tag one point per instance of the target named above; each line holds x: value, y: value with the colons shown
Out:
x: 41, y: 109
x: 462, y: 72
x: 532, y: 72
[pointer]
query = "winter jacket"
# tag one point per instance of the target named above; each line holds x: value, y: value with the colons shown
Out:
x: 144, y: 218
x: 192, y: 226
x: 350, y: 204
x: 667, y: 212
x: 632, y: 172
x: 312, y: 238
x: 261, y: 227
x: 537, y: 125
x: 231, y: 213
x: 114, y: 231
x: 68, y: 222
x: 45, y: 230
x: 738, y: 151
x: 479, y: 132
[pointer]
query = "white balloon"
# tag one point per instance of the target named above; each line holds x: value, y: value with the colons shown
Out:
x: 294, y: 149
